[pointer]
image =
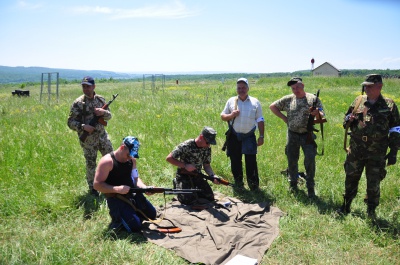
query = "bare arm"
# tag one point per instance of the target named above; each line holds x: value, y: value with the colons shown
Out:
x: 103, y: 169
x: 260, y: 140
x: 180, y: 164
x: 277, y: 112
x: 230, y: 116
x: 210, y: 172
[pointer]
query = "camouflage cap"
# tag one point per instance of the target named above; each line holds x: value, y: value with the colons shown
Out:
x: 133, y: 145
x: 294, y: 80
x: 209, y: 134
x: 372, y: 79
x: 88, y: 80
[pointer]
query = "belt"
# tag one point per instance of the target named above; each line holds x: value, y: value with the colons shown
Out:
x: 304, y: 133
x: 366, y: 138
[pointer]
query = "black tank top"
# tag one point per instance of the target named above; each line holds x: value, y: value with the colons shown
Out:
x: 120, y: 173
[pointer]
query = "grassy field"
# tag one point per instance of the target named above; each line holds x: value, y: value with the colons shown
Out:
x: 47, y: 217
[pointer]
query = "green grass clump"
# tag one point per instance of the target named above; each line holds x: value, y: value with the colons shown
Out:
x: 47, y: 217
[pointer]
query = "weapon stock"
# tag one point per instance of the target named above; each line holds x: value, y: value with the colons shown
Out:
x: 97, y: 119
x: 315, y: 120
x: 199, y: 174
x: 164, y: 190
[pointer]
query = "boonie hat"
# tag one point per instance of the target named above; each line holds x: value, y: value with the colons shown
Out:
x: 133, y: 145
x: 294, y: 80
x: 244, y: 80
x: 88, y: 80
x: 209, y: 134
x: 372, y: 79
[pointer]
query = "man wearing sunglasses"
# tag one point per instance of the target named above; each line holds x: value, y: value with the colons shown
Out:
x: 193, y: 155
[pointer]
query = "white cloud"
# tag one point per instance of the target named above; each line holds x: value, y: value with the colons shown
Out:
x: 171, y: 11
x: 27, y: 5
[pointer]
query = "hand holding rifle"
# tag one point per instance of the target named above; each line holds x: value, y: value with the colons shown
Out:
x: 152, y: 190
x: 214, y: 179
x: 98, y: 118
x: 315, y: 118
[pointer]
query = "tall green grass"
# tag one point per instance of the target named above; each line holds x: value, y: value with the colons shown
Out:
x: 47, y: 217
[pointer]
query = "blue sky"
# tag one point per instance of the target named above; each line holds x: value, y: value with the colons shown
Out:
x: 253, y: 36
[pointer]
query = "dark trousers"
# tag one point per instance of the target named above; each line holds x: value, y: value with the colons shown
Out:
x: 296, y: 141
x: 235, y: 154
x: 123, y: 213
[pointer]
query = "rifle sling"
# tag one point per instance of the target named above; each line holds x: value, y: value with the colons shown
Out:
x: 165, y: 230
x: 322, y: 134
x: 123, y: 198
x: 359, y: 99
x: 230, y: 125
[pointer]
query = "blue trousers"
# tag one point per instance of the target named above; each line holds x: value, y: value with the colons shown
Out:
x: 123, y: 213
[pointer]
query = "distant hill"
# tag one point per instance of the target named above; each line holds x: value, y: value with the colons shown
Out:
x: 22, y: 74
x: 26, y: 75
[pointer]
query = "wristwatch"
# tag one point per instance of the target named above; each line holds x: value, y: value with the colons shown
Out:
x: 261, y: 136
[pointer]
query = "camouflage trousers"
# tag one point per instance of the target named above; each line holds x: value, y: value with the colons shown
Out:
x: 193, y: 182
x: 375, y: 172
x: 93, y: 144
x: 295, y: 141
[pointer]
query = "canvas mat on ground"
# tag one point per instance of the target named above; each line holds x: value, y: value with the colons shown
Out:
x: 216, y: 235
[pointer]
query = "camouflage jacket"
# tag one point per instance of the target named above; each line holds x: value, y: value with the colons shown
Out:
x: 298, y: 110
x: 82, y: 111
x: 373, y: 122
x: 189, y: 153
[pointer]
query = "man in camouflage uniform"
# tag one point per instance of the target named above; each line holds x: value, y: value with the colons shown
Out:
x: 375, y: 127
x: 193, y: 155
x: 82, y: 111
x: 298, y: 108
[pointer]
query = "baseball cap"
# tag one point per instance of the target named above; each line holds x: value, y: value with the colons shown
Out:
x: 88, y: 80
x: 242, y: 79
x: 133, y: 145
x: 372, y: 79
x: 209, y: 134
x: 294, y: 80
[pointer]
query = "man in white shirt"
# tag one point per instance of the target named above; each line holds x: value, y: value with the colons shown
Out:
x: 244, y: 115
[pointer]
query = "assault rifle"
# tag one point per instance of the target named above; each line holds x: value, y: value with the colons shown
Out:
x: 210, y: 178
x: 315, y: 120
x: 347, y: 121
x: 97, y: 119
x: 164, y: 190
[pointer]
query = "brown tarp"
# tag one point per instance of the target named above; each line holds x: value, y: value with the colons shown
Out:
x: 215, y: 235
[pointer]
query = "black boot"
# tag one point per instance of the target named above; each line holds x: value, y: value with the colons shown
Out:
x: 293, y: 187
x: 345, y: 208
x: 371, y: 212
x: 311, y: 193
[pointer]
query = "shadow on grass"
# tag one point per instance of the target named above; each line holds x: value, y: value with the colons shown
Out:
x: 249, y: 196
x: 384, y: 226
x: 324, y: 206
x: 90, y: 203
x: 122, y: 234
x: 379, y: 225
